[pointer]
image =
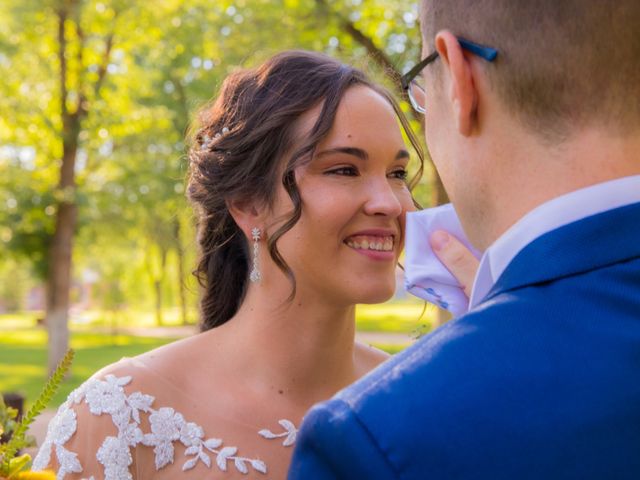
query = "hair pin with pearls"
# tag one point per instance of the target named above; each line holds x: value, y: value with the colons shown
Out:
x: 207, y: 140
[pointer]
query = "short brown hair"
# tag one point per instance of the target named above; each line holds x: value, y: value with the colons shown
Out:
x: 562, y: 63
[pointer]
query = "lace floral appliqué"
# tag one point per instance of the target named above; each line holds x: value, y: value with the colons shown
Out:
x: 167, y: 427
x: 289, y: 433
x: 60, y: 430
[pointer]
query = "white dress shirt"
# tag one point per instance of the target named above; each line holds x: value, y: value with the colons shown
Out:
x: 549, y: 216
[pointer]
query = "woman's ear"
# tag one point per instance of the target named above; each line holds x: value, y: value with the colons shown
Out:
x: 246, y: 214
x: 463, y: 94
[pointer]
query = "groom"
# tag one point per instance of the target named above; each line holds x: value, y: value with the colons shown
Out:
x: 539, y: 150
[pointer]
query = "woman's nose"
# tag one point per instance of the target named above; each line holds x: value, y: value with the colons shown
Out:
x: 383, y: 199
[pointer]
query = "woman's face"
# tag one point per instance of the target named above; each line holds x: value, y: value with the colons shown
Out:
x: 354, y: 198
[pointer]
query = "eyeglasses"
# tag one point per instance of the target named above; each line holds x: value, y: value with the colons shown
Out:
x: 412, y: 82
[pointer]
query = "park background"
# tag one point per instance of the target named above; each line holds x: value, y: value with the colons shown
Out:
x: 97, y: 240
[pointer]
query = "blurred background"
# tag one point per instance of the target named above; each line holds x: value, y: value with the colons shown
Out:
x: 96, y: 97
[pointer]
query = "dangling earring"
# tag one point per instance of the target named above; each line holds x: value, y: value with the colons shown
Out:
x: 255, y: 276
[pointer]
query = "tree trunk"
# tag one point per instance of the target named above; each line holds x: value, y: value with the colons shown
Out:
x: 181, y: 286
x: 60, y: 254
x: 59, y: 284
x: 60, y: 264
x: 157, y: 284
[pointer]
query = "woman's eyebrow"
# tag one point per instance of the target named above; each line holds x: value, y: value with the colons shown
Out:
x: 356, y: 152
x: 359, y: 153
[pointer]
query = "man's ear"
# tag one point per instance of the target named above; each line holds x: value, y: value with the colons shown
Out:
x: 462, y: 94
x: 246, y: 214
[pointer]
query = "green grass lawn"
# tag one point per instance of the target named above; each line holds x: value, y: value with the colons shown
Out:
x: 392, y: 317
x: 23, y: 359
x: 23, y: 352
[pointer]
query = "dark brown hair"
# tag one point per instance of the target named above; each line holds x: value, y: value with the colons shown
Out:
x: 257, y: 110
x: 561, y: 64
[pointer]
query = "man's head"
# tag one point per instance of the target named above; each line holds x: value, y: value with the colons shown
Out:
x: 565, y: 67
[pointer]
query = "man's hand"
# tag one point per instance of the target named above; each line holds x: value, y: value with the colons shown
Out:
x: 456, y: 257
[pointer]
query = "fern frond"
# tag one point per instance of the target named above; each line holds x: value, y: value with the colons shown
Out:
x: 51, y: 387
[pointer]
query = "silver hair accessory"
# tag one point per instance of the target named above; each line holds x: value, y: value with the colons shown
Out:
x: 255, y: 275
x: 207, y: 140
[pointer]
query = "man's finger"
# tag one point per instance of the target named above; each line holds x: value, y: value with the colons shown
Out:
x: 456, y: 257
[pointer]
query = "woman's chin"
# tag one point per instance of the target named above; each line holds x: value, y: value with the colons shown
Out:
x: 379, y: 294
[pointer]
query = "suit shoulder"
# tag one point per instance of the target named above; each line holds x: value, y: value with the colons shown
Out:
x: 334, y: 443
x: 473, y: 346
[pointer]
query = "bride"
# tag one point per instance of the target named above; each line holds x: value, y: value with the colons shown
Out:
x: 298, y: 175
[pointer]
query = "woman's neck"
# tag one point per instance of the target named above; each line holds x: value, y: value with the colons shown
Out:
x: 303, y: 349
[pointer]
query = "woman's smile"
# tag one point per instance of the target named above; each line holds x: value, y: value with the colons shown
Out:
x: 375, y: 244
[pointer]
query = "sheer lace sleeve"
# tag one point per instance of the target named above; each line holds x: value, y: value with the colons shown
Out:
x: 93, y: 430
x: 109, y: 429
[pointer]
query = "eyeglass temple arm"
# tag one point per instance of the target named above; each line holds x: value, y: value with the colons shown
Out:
x: 488, y: 53
x: 416, y: 69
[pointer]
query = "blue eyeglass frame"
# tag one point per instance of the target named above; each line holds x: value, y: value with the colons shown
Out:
x: 482, y: 51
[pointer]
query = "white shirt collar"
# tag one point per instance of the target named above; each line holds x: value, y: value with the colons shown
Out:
x: 549, y: 216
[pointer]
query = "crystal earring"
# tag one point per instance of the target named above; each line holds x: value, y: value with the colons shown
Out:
x: 255, y: 276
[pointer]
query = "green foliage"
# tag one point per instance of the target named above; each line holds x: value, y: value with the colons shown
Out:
x: 9, y: 465
x: 168, y: 60
x: 15, y: 466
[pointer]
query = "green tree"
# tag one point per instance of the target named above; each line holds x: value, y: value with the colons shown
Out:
x: 95, y: 104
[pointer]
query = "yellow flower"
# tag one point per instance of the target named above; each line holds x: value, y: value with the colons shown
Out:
x: 36, y: 476
x: 47, y: 475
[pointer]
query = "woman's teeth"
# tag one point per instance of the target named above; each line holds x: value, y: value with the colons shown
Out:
x: 383, y: 244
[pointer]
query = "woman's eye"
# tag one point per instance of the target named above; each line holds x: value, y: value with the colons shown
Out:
x: 400, y: 174
x: 345, y: 171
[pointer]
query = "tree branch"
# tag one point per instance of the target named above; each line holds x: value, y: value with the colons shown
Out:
x: 62, y: 42
x: 376, y: 53
x: 182, y: 120
x: 102, y: 69
x: 81, y: 110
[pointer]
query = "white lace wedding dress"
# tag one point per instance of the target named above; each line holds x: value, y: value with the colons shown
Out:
x: 133, y: 423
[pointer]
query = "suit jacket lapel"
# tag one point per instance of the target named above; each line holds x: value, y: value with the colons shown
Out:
x: 594, y: 242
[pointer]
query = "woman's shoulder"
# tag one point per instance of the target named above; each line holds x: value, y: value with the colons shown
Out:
x: 141, y: 386
x: 152, y: 372
x: 136, y: 402
x: 90, y: 424
x: 117, y: 408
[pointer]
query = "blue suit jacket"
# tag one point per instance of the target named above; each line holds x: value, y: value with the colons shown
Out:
x: 541, y: 381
